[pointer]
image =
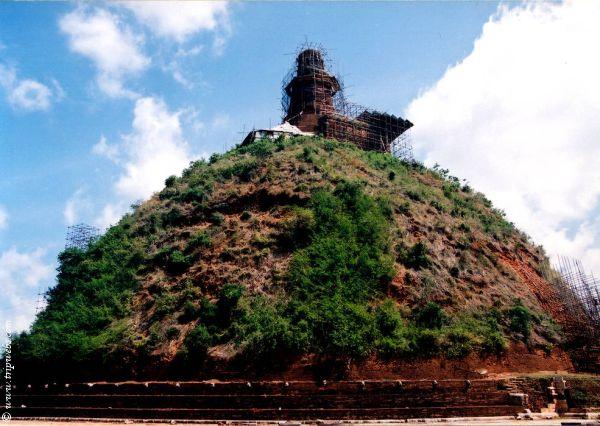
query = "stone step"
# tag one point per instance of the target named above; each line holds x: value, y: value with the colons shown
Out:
x: 292, y: 387
x: 366, y: 400
x: 266, y: 413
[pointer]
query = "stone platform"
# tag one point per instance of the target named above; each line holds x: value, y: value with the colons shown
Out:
x: 267, y: 400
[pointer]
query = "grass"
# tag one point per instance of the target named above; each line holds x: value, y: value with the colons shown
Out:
x: 309, y: 263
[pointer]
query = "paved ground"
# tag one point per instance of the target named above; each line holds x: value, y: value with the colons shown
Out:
x: 456, y: 422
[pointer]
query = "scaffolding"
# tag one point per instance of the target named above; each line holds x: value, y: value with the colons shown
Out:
x: 578, y: 294
x: 80, y: 236
x: 314, y: 100
x: 584, y: 289
x: 402, y: 147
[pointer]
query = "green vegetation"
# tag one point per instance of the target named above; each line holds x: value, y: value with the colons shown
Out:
x: 335, y: 306
x: 197, y: 343
x: 244, y: 170
x: 430, y: 316
x: 335, y: 253
x: 93, y: 292
x: 173, y: 260
x: 415, y: 257
x: 200, y: 240
x: 520, y: 320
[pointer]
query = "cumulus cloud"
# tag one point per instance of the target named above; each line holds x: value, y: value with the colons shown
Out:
x: 27, y: 94
x: 77, y: 204
x: 3, y: 218
x: 115, y: 50
x: 154, y: 150
x: 110, y: 215
x: 105, y: 149
x: 179, y: 20
x: 518, y: 117
x: 21, y: 275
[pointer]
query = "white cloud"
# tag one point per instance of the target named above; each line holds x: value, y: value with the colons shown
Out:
x: 22, y: 274
x: 75, y: 206
x: 175, y: 69
x: 104, y: 149
x: 3, y: 218
x: 518, y: 117
x: 178, y: 20
x: 109, y: 43
x: 27, y: 94
x: 154, y: 150
x: 221, y: 120
x: 31, y: 95
x: 110, y: 215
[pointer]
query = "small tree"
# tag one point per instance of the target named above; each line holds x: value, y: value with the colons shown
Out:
x: 520, y: 319
x: 430, y: 316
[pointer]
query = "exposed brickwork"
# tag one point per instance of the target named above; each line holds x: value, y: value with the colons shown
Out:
x: 310, y: 100
x: 269, y: 400
x: 543, y: 291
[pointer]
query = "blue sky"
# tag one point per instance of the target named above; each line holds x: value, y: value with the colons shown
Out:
x: 100, y: 102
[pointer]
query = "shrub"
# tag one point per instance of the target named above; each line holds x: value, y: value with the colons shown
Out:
x: 395, y: 345
x: 261, y: 241
x: 415, y: 257
x: 393, y: 340
x: 190, y: 312
x: 200, y: 239
x: 307, y: 154
x: 437, y: 205
x: 264, y: 333
x: 164, y: 304
x: 403, y: 208
x: 172, y: 333
x: 93, y: 293
x: 392, y: 175
x: 426, y: 342
x: 261, y: 148
x: 245, y: 215
x: 173, y: 217
x: 197, y: 342
x: 520, y: 319
x: 459, y: 343
x: 494, y: 343
x: 244, y: 169
x: 329, y: 146
x: 347, y: 254
x: 455, y: 271
x: 168, y: 193
x: 217, y: 218
x: 343, y: 266
x: 430, y: 316
x: 194, y: 194
x: 171, y: 181
x: 297, y: 231
x: 388, y: 318
x: 214, y: 158
x: 228, y: 302
x: 177, y: 262
x: 208, y: 311
x: 414, y: 195
x: 344, y: 330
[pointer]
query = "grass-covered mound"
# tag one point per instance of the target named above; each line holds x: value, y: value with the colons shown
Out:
x: 291, y: 247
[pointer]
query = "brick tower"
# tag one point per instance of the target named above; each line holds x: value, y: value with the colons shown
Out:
x: 310, y: 92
